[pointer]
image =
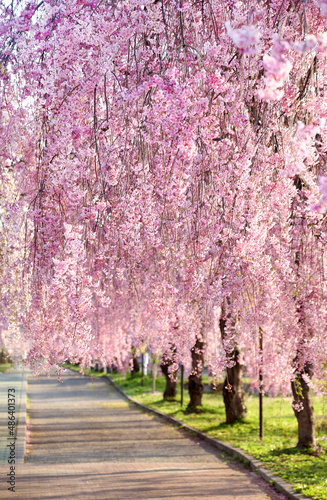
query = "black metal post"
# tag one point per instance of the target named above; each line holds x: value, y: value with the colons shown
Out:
x: 182, y: 385
x: 260, y: 385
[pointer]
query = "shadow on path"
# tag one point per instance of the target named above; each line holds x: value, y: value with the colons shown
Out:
x: 87, y: 442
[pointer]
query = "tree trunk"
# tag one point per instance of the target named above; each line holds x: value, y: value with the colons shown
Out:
x: 305, y: 417
x: 136, y: 365
x: 233, y: 390
x: 195, y: 385
x: 171, y: 383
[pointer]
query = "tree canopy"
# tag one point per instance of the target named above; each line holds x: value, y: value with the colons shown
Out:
x: 160, y: 170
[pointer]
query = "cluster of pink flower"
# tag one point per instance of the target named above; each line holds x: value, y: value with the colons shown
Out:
x: 321, y: 207
x: 163, y: 162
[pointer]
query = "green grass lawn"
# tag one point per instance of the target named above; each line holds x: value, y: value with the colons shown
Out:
x: 305, y: 470
x: 4, y: 367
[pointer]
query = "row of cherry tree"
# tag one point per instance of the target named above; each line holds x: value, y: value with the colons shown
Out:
x: 160, y: 165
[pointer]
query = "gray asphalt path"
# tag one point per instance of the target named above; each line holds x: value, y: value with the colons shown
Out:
x: 86, y: 442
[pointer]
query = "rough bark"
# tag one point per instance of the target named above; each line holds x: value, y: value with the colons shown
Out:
x: 195, y: 385
x: 4, y: 357
x: 171, y: 381
x: 234, y: 394
x: 234, y: 398
x: 136, y: 365
x: 305, y: 417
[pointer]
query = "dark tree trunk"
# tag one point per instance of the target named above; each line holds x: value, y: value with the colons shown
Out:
x: 233, y: 390
x: 195, y: 385
x: 234, y: 394
x: 171, y: 383
x: 136, y: 365
x: 305, y: 417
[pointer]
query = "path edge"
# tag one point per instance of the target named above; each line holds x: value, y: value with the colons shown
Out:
x: 278, y: 483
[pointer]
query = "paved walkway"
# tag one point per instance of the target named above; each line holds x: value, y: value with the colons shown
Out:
x: 87, y: 442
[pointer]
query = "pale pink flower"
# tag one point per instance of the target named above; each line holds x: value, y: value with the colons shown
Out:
x: 297, y: 406
x: 306, y: 45
x: 277, y: 67
x: 323, y: 7
x: 277, y: 70
x: 243, y: 37
x: 321, y: 206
